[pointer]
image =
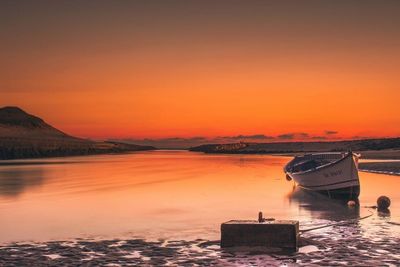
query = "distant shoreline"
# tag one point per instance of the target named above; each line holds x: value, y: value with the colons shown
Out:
x: 381, y: 172
x: 388, y: 166
x: 16, y: 161
x: 301, y: 147
x: 381, y: 149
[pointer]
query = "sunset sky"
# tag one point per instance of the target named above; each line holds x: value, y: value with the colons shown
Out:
x: 271, y: 70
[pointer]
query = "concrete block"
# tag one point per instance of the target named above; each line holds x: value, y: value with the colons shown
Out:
x: 271, y: 234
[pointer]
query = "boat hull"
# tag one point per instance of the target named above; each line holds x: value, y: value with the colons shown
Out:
x: 338, y: 179
x: 349, y: 193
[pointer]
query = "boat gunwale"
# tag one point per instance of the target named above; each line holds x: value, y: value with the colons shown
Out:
x: 311, y: 187
x: 322, y: 166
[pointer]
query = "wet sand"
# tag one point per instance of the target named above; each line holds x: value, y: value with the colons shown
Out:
x: 339, y: 246
x: 373, y: 241
x: 384, y: 154
x: 386, y: 167
x: 387, y: 161
x: 381, y: 154
x: 381, y: 161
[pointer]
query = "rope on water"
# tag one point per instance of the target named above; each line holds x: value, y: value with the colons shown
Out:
x: 339, y: 223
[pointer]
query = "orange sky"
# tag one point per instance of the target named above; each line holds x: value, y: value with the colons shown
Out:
x: 199, y: 68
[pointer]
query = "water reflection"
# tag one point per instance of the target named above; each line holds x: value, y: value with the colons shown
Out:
x: 161, y: 194
x: 323, y: 207
x: 14, y: 181
x: 384, y: 213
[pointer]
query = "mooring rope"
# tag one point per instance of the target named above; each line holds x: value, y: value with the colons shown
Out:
x: 339, y: 223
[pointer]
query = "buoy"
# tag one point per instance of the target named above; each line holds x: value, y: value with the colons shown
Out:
x: 383, y: 203
x: 351, y: 203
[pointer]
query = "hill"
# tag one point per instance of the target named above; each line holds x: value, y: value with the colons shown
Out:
x: 23, y: 135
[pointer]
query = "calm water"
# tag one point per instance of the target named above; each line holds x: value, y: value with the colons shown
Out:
x: 165, y: 194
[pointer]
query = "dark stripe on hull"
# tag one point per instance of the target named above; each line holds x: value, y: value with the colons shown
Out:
x: 314, y: 187
x: 347, y: 193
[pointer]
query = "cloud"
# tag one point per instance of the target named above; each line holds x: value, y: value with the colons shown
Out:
x: 304, y: 135
x: 291, y: 136
x: 180, y: 139
x: 170, y: 142
x: 330, y: 132
x: 258, y: 136
x: 187, y: 142
x: 361, y: 137
x: 182, y: 142
x: 319, y: 138
x: 288, y: 136
x: 252, y: 137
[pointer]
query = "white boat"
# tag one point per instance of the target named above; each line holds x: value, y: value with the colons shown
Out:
x: 334, y: 174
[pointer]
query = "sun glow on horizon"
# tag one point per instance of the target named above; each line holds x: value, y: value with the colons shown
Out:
x: 205, y: 69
